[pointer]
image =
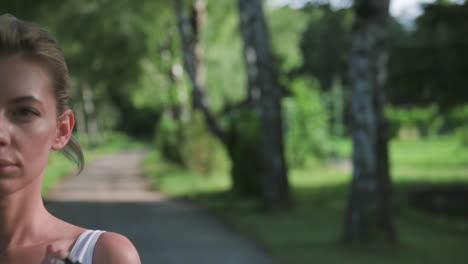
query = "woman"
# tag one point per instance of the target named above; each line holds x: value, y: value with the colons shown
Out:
x: 35, y: 120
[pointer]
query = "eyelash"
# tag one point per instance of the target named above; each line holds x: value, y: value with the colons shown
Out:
x: 26, y: 112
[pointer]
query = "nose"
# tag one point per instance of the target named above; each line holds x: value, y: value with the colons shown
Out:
x: 4, y: 134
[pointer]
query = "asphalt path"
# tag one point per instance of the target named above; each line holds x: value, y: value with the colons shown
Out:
x: 111, y: 194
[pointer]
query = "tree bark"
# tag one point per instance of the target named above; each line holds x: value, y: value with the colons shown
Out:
x: 189, y: 34
x: 90, y: 115
x: 368, y: 213
x: 240, y: 144
x: 198, y: 24
x: 265, y: 93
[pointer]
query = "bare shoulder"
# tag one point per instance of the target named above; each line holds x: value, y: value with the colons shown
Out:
x: 115, y: 248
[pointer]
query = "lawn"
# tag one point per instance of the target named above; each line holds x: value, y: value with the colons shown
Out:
x: 310, y: 232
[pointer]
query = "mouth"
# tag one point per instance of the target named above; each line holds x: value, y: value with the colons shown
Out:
x: 6, y: 165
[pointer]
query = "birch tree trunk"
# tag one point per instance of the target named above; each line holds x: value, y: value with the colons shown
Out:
x: 265, y: 93
x: 241, y: 146
x: 368, y: 213
x: 199, y: 20
x: 190, y: 36
x: 90, y: 115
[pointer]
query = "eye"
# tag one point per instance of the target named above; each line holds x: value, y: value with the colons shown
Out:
x: 25, y: 113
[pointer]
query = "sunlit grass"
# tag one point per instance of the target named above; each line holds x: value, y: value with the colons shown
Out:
x: 58, y: 168
x: 435, y: 161
x: 310, y: 232
x: 178, y: 181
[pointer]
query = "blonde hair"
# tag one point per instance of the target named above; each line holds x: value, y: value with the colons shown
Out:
x: 31, y: 42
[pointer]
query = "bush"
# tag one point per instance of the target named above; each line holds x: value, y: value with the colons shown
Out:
x: 462, y: 135
x: 458, y: 116
x: 458, y: 120
x: 244, y: 150
x: 306, y: 123
x: 169, y: 137
x: 190, y: 144
x: 425, y: 121
x: 201, y: 152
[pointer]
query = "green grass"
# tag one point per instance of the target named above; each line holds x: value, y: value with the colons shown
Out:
x: 59, y: 167
x: 177, y: 181
x: 310, y: 232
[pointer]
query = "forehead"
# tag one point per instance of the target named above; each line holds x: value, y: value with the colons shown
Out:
x: 20, y: 77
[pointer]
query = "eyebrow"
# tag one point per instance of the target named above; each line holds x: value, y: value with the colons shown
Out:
x: 25, y: 99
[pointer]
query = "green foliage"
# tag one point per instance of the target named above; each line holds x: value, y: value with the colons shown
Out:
x: 190, y: 144
x: 115, y: 36
x: 287, y: 25
x: 168, y: 137
x: 462, y: 134
x: 243, y: 147
x: 458, y: 116
x: 161, y: 85
x: 428, y: 65
x: 153, y: 82
x: 175, y: 180
x: 335, y: 103
x: 325, y: 43
x: 201, y: 152
x: 306, y: 123
x: 225, y: 72
x: 457, y: 119
x: 112, y: 141
x: 58, y: 168
x: 302, y: 235
x: 425, y: 121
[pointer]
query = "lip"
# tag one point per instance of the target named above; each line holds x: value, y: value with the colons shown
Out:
x: 6, y: 163
x: 7, y: 167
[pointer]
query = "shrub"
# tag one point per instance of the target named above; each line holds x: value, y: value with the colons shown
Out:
x: 426, y: 121
x: 462, y: 135
x: 202, y: 153
x: 169, y: 137
x: 244, y: 147
x: 458, y: 116
x: 306, y: 123
x: 190, y: 144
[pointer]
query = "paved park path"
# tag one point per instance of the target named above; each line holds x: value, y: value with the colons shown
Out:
x: 112, y: 195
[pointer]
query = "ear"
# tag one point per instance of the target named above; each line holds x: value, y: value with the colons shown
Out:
x: 65, y: 126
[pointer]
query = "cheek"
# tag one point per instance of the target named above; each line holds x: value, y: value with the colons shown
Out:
x: 34, y: 143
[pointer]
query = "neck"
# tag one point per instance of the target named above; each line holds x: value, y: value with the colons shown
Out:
x: 23, y: 217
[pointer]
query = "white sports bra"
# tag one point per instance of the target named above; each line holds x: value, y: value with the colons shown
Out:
x: 84, y: 246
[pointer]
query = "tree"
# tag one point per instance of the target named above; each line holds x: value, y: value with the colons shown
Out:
x: 325, y: 44
x: 428, y: 64
x: 192, y: 50
x: 105, y: 57
x: 368, y: 213
x: 265, y: 94
x: 252, y: 165
x: 240, y: 138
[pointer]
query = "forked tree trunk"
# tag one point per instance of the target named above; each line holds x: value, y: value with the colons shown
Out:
x: 368, y: 214
x: 189, y: 38
x: 240, y: 145
x: 265, y: 93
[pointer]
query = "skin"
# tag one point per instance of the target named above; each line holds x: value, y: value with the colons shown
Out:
x: 30, y: 129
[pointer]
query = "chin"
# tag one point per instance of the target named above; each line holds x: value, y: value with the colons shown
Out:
x: 13, y: 184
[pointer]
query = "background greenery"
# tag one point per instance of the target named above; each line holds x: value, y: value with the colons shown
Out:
x: 128, y: 54
x: 310, y: 232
